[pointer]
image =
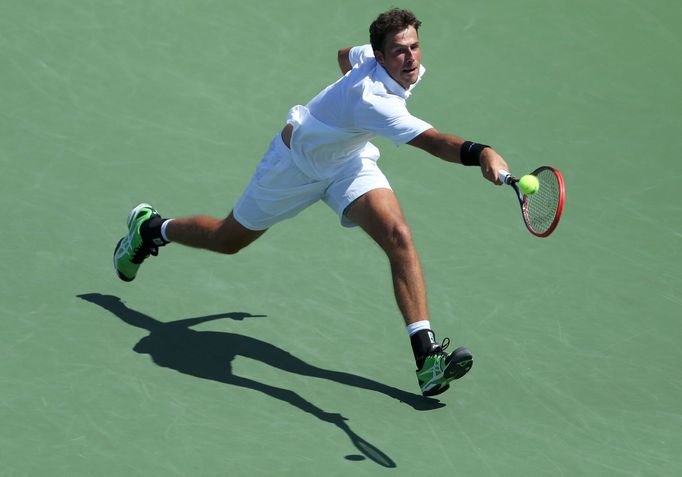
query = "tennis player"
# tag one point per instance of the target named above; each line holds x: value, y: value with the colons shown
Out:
x: 323, y: 153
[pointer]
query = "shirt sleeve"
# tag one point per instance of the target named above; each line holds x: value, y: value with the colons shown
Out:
x: 388, y: 116
x: 360, y: 54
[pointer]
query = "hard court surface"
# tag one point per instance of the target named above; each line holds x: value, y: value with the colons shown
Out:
x: 291, y: 358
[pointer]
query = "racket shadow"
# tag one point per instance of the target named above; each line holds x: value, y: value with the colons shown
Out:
x: 209, y: 355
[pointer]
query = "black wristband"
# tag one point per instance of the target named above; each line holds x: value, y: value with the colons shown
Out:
x: 470, y: 153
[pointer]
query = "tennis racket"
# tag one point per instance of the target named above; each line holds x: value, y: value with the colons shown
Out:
x: 541, y: 211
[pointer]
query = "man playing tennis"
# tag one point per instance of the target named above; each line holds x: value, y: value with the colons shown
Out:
x: 324, y: 153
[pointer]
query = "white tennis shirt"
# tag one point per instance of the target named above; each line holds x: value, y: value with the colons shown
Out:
x: 337, y: 124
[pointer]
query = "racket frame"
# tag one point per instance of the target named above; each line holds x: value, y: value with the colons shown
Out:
x: 512, y: 181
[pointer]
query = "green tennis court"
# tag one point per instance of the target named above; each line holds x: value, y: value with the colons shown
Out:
x: 291, y: 358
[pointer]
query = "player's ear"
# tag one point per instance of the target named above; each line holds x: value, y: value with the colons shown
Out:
x: 379, y: 55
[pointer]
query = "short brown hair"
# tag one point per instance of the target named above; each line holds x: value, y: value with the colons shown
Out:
x: 392, y: 21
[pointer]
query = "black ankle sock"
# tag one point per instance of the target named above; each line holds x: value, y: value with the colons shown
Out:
x: 151, y: 232
x: 423, y: 343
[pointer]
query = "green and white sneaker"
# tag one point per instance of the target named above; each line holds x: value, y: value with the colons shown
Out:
x: 131, y: 250
x: 440, y: 368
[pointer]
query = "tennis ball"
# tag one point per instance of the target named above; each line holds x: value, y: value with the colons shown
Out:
x: 529, y: 184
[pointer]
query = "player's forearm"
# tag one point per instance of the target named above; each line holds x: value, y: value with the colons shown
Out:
x: 450, y: 148
x: 443, y: 146
x: 487, y: 159
x: 344, y: 60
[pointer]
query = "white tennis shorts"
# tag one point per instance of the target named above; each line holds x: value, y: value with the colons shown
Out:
x: 279, y: 189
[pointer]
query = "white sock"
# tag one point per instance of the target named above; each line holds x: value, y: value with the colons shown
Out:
x: 412, y: 328
x: 163, y: 229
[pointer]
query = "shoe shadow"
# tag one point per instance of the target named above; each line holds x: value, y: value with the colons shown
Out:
x: 209, y: 355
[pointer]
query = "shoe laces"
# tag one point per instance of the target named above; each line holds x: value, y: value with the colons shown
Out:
x: 440, y: 349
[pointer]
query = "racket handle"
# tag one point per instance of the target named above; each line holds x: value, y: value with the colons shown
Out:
x: 505, y: 176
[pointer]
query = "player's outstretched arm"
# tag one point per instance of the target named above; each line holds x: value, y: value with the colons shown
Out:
x: 344, y: 60
x: 449, y: 148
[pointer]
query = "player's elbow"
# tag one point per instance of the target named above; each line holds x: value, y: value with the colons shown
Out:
x: 430, y: 141
x: 343, y: 57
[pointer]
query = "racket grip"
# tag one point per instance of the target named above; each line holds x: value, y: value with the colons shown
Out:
x: 505, y: 176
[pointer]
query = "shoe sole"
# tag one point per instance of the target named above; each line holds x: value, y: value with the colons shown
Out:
x: 460, y: 362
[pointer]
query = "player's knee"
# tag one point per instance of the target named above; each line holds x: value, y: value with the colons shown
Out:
x: 399, y: 237
x: 227, y: 246
x: 231, y: 237
x: 228, y: 249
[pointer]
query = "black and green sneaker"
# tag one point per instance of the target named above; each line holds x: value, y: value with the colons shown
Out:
x: 131, y: 250
x: 440, y: 368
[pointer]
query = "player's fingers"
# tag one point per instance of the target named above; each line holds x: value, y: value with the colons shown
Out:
x: 491, y: 174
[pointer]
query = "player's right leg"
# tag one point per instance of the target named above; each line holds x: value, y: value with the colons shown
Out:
x: 277, y: 191
x: 223, y: 236
x: 147, y: 231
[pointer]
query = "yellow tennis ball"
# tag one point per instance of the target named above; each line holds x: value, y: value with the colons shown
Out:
x: 529, y: 184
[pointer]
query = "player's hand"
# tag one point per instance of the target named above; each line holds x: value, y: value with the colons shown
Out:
x: 491, y: 162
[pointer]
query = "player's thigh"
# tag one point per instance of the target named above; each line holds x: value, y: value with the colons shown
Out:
x: 379, y: 214
x: 278, y: 190
x: 360, y: 177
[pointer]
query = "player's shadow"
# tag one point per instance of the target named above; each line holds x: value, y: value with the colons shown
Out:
x: 209, y: 355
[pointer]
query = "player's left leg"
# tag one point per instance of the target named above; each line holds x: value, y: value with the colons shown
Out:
x: 379, y: 214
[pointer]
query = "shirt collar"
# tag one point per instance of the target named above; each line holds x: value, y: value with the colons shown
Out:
x: 393, y: 86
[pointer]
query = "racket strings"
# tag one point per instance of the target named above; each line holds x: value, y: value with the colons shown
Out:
x: 541, y: 207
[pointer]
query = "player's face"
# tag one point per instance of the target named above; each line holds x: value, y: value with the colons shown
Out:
x: 401, y: 57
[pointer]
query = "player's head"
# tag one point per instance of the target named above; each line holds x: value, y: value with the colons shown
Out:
x: 388, y: 24
x: 395, y: 41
